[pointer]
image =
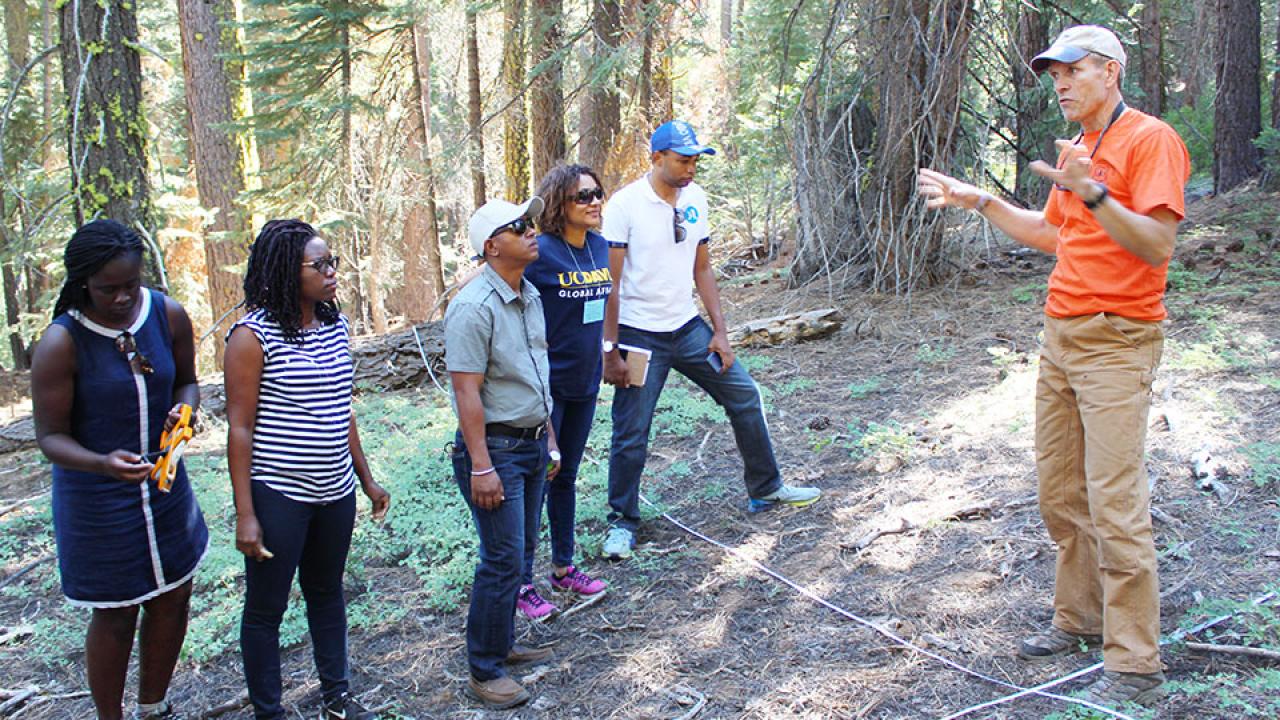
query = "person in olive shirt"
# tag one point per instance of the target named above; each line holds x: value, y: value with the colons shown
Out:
x: 496, y: 354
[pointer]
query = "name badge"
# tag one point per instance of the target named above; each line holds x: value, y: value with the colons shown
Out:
x: 593, y: 311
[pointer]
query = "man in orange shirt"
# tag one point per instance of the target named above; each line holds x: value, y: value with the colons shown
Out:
x: 1111, y: 220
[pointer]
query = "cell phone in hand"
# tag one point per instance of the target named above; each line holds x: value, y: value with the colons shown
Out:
x: 713, y: 359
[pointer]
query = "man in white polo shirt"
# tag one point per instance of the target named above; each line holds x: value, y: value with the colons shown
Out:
x: 658, y: 234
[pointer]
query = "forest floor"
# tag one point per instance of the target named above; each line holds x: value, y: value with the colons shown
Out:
x: 916, y: 419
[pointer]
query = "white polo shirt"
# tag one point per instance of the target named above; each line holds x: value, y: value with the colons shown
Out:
x: 655, y: 292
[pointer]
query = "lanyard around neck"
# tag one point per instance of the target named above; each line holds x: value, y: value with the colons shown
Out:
x: 1115, y: 115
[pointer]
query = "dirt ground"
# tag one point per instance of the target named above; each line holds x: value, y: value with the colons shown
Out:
x: 690, y: 630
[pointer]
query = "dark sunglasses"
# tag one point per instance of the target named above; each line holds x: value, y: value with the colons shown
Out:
x: 320, y: 264
x: 586, y: 197
x: 137, y: 361
x: 677, y: 226
x: 518, y: 226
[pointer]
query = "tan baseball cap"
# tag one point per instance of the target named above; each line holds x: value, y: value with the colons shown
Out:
x: 1076, y: 42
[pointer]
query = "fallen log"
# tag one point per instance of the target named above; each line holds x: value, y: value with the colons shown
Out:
x: 786, y: 329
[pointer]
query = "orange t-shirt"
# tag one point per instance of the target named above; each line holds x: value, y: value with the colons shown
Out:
x: 1145, y: 166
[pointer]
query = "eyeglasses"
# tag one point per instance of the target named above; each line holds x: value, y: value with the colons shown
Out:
x: 586, y: 197
x: 321, y: 264
x: 518, y: 226
x: 677, y: 226
x: 137, y: 361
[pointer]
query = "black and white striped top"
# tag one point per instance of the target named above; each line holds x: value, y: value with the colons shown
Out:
x: 304, y: 411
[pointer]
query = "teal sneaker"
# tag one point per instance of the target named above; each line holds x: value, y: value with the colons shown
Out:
x: 618, y: 543
x: 785, y: 495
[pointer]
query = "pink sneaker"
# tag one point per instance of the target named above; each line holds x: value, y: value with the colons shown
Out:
x: 533, y: 606
x: 576, y: 581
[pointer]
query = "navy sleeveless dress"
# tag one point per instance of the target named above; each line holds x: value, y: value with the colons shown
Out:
x: 121, y: 543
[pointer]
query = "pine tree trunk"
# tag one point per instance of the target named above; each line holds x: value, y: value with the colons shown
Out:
x: 1032, y: 106
x: 223, y: 159
x: 547, y: 105
x: 106, y: 128
x: 1151, y: 36
x: 515, y: 128
x: 423, y: 271
x: 1238, y: 110
x: 478, y: 192
x: 601, y: 116
x: 18, y: 47
x: 1275, y: 81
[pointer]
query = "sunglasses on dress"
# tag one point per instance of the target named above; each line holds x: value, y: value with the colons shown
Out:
x: 129, y: 348
x: 677, y: 226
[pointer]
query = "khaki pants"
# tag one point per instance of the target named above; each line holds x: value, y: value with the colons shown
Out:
x: 1092, y: 399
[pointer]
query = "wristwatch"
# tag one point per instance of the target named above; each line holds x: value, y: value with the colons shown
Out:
x: 609, y: 346
x: 554, y: 455
x: 1102, y: 195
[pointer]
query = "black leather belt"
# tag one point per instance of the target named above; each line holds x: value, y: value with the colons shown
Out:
x: 530, y: 433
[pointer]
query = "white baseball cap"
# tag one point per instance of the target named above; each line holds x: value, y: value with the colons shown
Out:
x: 1076, y: 42
x: 496, y: 213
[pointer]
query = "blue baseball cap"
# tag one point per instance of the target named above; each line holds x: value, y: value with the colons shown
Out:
x: 677, y: 136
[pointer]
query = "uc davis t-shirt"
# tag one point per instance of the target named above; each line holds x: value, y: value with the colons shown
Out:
x: 574, y: 284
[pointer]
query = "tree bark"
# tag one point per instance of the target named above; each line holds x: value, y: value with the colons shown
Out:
x: 18, y: 47
x: 1151, y: 48
x: 223, y: 158
x: 1032, y: 106
x: 1275, y: 81
x: 1238, y: 110
x: 515, y: 128
x: 547, y: 101
x: 423, y: 271
x: 106, y: 128
x: 478, y: 192
x: 602, y: 114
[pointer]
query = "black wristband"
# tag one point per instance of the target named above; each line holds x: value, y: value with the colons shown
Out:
x: 1102, y: 196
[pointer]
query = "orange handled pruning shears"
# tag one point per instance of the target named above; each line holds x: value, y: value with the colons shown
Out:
x: 173, y: 443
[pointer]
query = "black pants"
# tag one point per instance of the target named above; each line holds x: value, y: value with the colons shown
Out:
x: 312, y: 539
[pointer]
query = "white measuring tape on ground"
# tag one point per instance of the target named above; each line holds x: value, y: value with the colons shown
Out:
x: 898, y: 640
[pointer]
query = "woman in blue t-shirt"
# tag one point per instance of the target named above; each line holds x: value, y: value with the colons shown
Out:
x: 572, y: 275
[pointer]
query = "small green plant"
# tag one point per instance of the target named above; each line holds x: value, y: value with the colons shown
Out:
x: 935, y: 355
x: 1027, y: 294
x: 795, y: 385
x: 1264, y: 460
x: 1270, y: 381
x: 862, y: 388
x: 1183, y: 280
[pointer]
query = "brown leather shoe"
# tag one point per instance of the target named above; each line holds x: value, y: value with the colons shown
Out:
x: 499, y: 693
x: 524, y: 654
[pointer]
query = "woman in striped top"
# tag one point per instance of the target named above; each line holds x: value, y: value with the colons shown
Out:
x: 294, y: 455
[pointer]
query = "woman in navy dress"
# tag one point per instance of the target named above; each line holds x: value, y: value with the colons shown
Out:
x: 294, y: 454
x: 106, y: 379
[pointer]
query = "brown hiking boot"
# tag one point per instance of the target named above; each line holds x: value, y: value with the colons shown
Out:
x: 1116, y: 688
x: 1054, y: 643
x: 524, y: 654
x: 499, y: 693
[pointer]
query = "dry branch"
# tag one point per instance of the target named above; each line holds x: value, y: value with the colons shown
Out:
x: 28, y: 568
x: 898, y: 524
x: 226, y: 707
x: 1244, y: 650
x: 16, y: 699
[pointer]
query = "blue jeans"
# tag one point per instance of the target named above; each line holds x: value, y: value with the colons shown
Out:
x: 504, y: 533
x: 571, y: 420
x: 684, y: 350
x: 312, y: 539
